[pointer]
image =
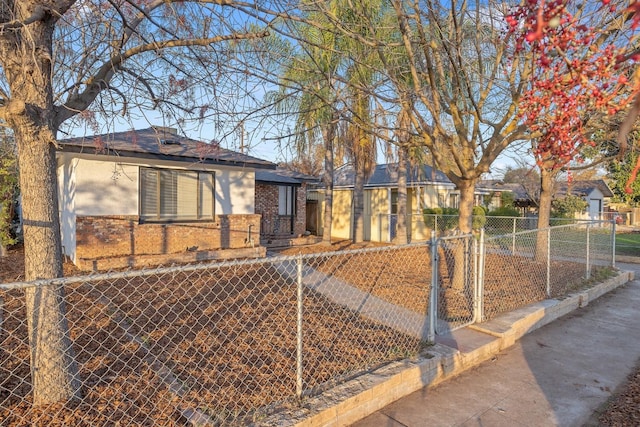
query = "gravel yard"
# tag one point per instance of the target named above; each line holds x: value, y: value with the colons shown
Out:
x: 226, y: 337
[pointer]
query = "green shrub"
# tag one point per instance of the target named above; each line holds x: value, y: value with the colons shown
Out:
x: 479, y: 217
x: 507, y: 199
x: 568, y: 206
x: 429, y: 216
x: 447, y: 218
x: 504, y: 211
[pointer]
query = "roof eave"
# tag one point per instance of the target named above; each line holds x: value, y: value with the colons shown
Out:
x: 168, y: 157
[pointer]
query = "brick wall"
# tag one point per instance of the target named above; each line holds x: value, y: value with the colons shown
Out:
x: 266, y: 199
x: 300, y: 225
x: 112, y: 236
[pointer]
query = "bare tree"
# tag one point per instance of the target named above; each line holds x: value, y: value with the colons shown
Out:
x: 70, y: 60
x: 458, y: 82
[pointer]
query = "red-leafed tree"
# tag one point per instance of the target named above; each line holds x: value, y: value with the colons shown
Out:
x: 584, y: 71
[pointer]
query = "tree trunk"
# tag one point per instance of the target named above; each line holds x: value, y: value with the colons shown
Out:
x: 327, y: 179
x: 461, y: 272
x: 467, y: 189
x: 358, y: 205
x: 26, y: 58
x: 544, y: 212
x: 402, y: 236
x: 53, y: 369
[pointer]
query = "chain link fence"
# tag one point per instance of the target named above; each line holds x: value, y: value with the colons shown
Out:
x: 529, y: 266
x: 219, y: 344
x: 231, y: 343
x: 421, y: 225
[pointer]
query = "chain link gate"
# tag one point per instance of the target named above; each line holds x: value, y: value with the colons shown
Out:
x: 454, y: 282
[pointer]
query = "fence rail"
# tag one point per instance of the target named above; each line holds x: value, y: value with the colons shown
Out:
x: 232, y: 342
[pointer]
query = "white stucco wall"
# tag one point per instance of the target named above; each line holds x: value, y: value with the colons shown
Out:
x: 105, y: 188
x: 235, y: 191
x: 596, y: 204
x: 109, y: 186
x: 66, y: 201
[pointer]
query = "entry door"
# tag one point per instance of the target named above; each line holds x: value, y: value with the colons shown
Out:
x: 595, y: 207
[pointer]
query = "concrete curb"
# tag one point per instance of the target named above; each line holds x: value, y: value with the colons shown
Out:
x: 628, y: 258
x: 450, y: 356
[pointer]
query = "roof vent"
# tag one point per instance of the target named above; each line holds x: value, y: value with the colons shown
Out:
x: 169, y: 142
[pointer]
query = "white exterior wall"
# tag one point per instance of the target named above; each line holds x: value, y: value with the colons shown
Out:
x: 105, y: 188
x: 66, y: 204
x: 596, y: 204
x: 235, y: 191
x: 109, y: 186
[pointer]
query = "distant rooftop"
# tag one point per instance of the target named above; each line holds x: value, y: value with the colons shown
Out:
x: 284, y: 176
x: 386, y: 175
x: 584, y: 188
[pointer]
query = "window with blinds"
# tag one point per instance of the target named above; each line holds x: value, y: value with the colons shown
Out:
x: 176, y: 195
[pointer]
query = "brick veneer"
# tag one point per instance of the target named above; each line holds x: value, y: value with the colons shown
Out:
x: 300, y: 225
x: 267, y: 199
x: 114, y: 236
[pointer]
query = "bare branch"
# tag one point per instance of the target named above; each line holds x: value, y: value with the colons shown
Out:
x: 105, y: 73
x: 38, y: 14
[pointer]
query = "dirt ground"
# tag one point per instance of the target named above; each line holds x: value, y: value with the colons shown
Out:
x: 206, y: 330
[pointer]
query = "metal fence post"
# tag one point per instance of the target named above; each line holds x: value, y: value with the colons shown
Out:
x: 476, y: 261
x: 613, y: 244
x: 479, y: 314
x: 587, y: 274
x: 549, y: 261
x: 433, y: 295
x: 513, y: 238
x: 299, y: 331
x: 435, y: 224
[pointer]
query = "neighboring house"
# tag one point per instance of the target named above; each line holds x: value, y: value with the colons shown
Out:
x: 426, y: 188
x: 595, y: 192
x: 281, y: 200
x: 493, y: 189
x: 152, y: 196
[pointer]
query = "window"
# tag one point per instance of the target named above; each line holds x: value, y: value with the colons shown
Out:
x: 176, y: 195
x: 454, y: 200
x: 286, y: 200
x: 394, y: 201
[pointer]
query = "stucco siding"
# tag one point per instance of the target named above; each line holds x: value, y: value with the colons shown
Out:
x: 105, y: 188
x: 235, y: 191
x: 379, y: 214
x: 341, y: 221
x: 66, y: 201
x: 110, y: 187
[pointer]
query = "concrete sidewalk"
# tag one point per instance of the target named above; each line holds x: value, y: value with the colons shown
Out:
x: 550, y: 363
x: 557, y: 375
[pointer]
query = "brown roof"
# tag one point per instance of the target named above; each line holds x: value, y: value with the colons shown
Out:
x: 163, y: 144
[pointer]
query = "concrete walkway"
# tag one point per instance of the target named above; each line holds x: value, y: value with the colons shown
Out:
x: 364, y: 303
x: 557, y: 375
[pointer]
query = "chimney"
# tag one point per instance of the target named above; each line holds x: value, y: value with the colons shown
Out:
x: 165, y: 130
